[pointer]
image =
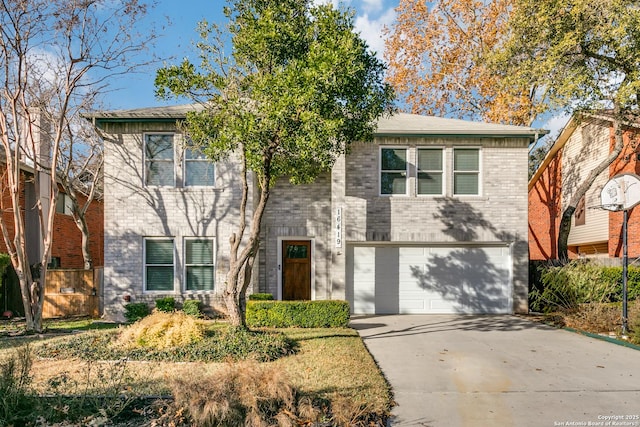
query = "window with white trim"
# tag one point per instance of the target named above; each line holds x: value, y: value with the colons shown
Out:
x: 430, y: 170
x: 198, y: 169
x: 64, y: 204
x: 393, y: 171
x: 158, y: 264
x: 466, y: 171
x: 159, y: 160
x: 199, y: 264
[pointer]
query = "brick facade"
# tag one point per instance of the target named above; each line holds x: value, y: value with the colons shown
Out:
x: 545, y: 212
x: 66, y: 235
x: 627, y: 162
x: 497, y: 217
x: 551, y: 188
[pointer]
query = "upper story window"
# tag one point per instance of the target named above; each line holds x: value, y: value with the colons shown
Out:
x: 430, y: 171
x: 64, y: 205
x: 158, y: 264
x: 466, y: 171
x: 393, y: 171
x: 198, y: 170
x: 199, y: 264
x: 159, y: 159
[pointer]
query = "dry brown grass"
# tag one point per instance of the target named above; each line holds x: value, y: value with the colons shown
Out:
x: 334, y: 364
x: 244, y: 393
x: 331, y: 373
x: 598, y: 318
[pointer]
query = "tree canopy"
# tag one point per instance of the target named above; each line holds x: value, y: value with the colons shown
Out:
x: 585, y: 54
x: 437, y: 53
x: 56, y: 58
x: 297, y: 88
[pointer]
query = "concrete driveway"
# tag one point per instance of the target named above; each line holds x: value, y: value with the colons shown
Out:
x: 449, y: 371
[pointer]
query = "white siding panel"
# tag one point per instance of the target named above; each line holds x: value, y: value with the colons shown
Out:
x: 364, y: 270
x: 586, y: 148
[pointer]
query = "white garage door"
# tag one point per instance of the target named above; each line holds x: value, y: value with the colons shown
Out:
x: 428, y: 279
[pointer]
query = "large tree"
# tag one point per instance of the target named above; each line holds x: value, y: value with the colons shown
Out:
x: 56, y: 57
x: 298, y: 87
x: 437, y: 62
x: 586, y: 54
x: 80, y: 174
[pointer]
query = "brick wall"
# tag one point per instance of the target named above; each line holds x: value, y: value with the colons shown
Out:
x: 133, y: 211
x: 66, y: 236
x: 545, y: 211
x: 627, y: 162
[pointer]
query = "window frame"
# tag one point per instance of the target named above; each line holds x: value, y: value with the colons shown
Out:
x: 67, y: 208
x: 145, y: 265
x: 477, y: 172
x: 187, y: 264
x: 406, y: 170
x: 185, y: 165
x: 443, y: 171
x: 145, y: 159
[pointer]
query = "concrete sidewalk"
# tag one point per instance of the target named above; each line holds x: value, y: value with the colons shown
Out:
x: 449, y: 371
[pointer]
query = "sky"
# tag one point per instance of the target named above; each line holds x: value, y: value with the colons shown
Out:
x: 177, y: 20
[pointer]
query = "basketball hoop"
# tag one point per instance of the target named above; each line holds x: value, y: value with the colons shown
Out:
x: 614, y: 207
x: 620, y: 193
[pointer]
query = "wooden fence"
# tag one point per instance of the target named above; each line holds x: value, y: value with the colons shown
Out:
x: 72, y: 293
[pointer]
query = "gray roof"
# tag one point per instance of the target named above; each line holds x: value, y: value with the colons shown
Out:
x: 398, y: 124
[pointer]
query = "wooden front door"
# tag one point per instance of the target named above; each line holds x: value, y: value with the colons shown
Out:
x: 296, y: 270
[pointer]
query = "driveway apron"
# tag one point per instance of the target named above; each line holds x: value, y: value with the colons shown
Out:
x: 449, y: 370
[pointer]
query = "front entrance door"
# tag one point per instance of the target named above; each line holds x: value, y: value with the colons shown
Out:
x: 296, y: 270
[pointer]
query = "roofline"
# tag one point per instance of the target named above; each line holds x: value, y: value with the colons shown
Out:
x: 99, y: 118
x: 532, y: 134
x: 561, y: 140
x: 559, y: 143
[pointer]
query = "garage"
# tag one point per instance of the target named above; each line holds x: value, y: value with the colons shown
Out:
x: 422, y: 279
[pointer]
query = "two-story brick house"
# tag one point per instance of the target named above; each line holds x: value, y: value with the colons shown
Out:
x: 595, y: 233
x: 428, y: 218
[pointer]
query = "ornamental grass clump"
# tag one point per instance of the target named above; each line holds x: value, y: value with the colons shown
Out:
x: 244, y: 393
x: 162, y: 330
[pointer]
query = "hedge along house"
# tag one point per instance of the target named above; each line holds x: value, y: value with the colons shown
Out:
x: 431, y: 217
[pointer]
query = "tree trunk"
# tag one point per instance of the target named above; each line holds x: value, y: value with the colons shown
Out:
x: 81, y: 222
x: 565, y: 224
x: 241, y: 265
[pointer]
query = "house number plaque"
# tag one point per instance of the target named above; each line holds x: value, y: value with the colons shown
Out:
x: 338, y: 225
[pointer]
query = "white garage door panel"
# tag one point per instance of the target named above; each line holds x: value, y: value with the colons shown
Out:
x: 422, y: 279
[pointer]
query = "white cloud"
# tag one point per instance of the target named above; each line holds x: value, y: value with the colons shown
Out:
x: 556, y: 123
x: 371, y: 29
x: 335, y: 3
x: 372, y: 5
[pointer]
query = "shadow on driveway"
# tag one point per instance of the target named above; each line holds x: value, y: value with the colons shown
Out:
x: 428, y: 324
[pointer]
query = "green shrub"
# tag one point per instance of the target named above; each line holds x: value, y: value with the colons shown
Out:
x: 300, y: 314
x: 167, y: 304
x: 135, y: 311
x: 261, y: 297
x: 192, y: 307
x: 579, y: 282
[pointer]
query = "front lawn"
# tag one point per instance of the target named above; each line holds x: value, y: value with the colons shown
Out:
x: 329, y: 368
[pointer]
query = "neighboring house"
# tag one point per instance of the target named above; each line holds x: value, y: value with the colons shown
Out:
x: 429, y: 218
x: 66, y: 250
x: 595, y: 232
